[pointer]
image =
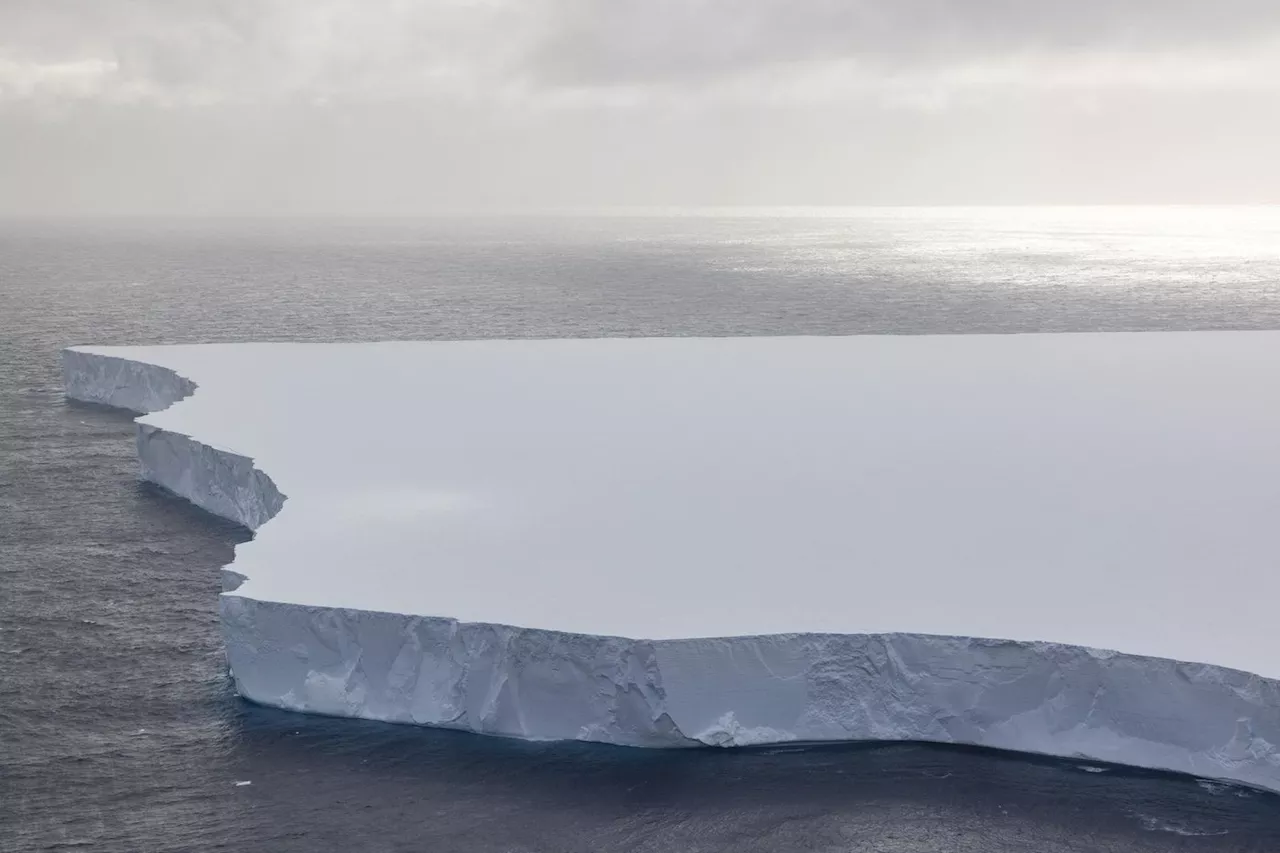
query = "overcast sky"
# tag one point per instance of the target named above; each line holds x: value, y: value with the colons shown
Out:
x: 371, y: 107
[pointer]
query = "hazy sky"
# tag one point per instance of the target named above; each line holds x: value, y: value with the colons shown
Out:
x: 398, y: 107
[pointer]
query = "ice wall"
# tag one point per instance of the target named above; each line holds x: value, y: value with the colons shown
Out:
x: 1046, y: 698
x: 219, y: 481
x: 1034, y: 697
x: 121, y: 383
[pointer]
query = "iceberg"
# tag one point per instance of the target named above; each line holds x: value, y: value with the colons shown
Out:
x: 1057, y: 544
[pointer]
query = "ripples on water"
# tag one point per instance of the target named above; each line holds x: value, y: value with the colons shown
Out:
x: 118, y: 728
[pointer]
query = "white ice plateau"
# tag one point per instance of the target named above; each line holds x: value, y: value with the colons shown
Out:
x: 1060, y: 544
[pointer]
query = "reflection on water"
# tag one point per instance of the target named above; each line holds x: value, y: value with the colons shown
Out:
x: 906, y: 797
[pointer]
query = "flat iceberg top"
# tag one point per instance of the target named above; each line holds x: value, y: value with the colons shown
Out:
x: 1117, y: 491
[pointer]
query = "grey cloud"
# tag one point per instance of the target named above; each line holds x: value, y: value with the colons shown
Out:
x: 262, y: 49
x: 210, y: 50
x: 404, y: 106
x: 597, y: 42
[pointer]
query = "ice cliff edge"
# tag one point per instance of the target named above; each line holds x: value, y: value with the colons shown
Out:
x: 219, y: 481
x: 535, y: 681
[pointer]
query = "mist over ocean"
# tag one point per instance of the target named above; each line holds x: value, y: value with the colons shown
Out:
x: 119, y: 729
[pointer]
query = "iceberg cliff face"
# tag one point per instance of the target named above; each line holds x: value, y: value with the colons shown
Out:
x: 223, y: 483
x: 122, y: 383
x: 495, y: 679
x: 289, y: 650
x: 226, y: 484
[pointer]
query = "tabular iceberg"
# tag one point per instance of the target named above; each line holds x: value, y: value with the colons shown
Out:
x: 1019, y: 542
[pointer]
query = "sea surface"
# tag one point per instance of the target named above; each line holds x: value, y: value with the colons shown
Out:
x: 119, y: 730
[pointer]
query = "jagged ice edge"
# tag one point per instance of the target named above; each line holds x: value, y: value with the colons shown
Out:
x: 1047, y: 698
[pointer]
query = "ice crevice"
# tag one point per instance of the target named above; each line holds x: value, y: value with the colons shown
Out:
x: 538, y: 683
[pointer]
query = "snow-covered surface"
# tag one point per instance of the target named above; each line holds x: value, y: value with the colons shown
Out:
x: 538, y: 538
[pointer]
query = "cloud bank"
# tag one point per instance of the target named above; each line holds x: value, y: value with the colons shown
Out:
x: 391, y: 106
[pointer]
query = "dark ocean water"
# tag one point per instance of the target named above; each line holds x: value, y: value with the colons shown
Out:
x: 118, y: 727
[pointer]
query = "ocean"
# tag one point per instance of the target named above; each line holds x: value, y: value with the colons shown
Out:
x: 119, y: 730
